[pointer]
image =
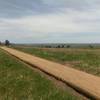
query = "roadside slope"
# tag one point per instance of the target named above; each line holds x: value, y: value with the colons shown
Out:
x: 86, y: 83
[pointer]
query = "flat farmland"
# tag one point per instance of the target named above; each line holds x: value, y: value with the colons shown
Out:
x: 87, y: 60
x: 19, y: 82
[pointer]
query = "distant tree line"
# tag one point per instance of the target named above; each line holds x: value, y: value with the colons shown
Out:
x: 7, y: 43
x: 64, y: 46
x: 56, y: 46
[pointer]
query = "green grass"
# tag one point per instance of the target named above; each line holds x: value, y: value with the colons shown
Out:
x: 18, y: 82
x: 88, y: 59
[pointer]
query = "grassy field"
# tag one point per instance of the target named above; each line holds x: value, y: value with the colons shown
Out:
x: 87, y: 60
x: 18, y: 82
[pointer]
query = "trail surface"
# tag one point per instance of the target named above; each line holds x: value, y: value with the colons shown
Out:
x: 81, y: 81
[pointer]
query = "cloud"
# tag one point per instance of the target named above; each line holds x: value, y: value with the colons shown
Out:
x: 69, y: 21
x: 18, y: 8
x: 49, y: 20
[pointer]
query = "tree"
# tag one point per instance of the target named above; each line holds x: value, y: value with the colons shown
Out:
x: 90, y: 46
x: 68, y: 46
x: 0, y: 43
x: 7, y: 43
x: 58, y: 46
x: 63, y: 46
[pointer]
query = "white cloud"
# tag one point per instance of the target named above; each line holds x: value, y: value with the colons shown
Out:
x: 72, y: 21
x: 42, y: 26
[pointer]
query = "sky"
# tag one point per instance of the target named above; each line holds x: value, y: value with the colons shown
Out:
x: 50, y: 21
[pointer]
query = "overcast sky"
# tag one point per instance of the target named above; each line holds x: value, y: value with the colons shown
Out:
x: 50, y: 21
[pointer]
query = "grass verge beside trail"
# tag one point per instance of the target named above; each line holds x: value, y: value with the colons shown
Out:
x: 87, y: 60
x: 18, y: 82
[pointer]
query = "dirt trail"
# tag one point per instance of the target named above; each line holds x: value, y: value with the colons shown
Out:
x: 81, y: 81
